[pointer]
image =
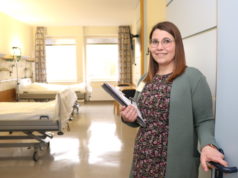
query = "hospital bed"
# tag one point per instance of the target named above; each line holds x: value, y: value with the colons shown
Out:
x: 28, y: 90
x: 22, y: 122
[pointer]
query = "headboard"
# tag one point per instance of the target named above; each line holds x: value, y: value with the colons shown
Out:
x: 25, y: 81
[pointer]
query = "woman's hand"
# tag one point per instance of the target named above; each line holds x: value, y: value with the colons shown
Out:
x: 211, y: 154
x: 129, y: 113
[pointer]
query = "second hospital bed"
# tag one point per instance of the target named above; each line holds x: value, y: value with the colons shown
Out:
x: 42, y: 91
x: 35, y: 121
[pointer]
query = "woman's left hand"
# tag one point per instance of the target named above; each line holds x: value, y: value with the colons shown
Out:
x: 209, y: 153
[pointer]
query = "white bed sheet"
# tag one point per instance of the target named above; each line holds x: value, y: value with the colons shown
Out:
x: 67, y: 100
x: 28, y: 110
x: 43, y: 88
x: 58, y: 109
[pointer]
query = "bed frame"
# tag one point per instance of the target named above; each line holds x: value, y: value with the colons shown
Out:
x: 40, y: 97
x: 38, y: 131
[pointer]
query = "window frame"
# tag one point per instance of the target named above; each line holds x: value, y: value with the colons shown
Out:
x: 86, y: 59
x: 75, y: 44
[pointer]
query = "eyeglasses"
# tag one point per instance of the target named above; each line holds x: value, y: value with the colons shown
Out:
x: 165, y: 42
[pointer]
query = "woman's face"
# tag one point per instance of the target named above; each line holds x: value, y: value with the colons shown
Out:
x: 162, y: 47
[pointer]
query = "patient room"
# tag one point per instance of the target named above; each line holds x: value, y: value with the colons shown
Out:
x: 56, y: 120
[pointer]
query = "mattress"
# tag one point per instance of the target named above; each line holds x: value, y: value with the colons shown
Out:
x: 59, y: 109
x: 29, y: 110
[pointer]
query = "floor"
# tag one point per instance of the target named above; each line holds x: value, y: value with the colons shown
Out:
x: 98, y: 145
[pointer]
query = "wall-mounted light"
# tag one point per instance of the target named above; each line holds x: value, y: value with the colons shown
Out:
x: 16, y: 53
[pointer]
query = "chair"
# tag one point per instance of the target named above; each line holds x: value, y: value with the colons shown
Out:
x: 129, y: 93
x: 123, y: 85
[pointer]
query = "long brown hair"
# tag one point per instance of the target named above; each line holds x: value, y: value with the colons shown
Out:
x: 179, y: 57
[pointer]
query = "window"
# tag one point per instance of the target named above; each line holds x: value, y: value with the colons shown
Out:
x: 102, y: 59
x: 61, y: 60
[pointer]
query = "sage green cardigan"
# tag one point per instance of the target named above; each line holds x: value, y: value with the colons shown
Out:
x: 190, y: 119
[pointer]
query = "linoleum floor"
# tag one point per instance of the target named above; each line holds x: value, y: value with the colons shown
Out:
x: 98, y: 145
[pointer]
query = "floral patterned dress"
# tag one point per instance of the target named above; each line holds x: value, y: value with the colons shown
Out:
x: 150, y: 152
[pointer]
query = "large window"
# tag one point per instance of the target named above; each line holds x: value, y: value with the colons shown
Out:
x: 102, y: 59
x: 61, y: 60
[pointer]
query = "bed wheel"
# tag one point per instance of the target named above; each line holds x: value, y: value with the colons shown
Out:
x: 60, y: 133
x: 36, y: 156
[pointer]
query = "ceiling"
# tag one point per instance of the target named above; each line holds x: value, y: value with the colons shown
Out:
x: 71, y: 12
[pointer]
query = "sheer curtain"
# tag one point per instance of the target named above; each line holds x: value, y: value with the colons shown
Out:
x: 125, y: 55
x: 40, y: 65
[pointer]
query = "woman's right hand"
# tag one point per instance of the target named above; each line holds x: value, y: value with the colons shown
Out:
x: 129, y: 113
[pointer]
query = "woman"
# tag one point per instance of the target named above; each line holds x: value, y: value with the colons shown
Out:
x: 176, y: 103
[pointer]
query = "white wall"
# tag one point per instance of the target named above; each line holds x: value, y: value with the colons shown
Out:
x: 196, y: 20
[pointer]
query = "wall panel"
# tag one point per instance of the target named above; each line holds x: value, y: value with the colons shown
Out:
x: 192, y: 16
x: 200, y: 52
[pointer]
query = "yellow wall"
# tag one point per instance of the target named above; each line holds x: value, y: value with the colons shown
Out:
x: 14, y: 33
x: 100, y: 31
x: 136, y: 29
x: 154, y: 12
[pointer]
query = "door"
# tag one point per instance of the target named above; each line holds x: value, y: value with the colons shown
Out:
x: 226, y: 130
